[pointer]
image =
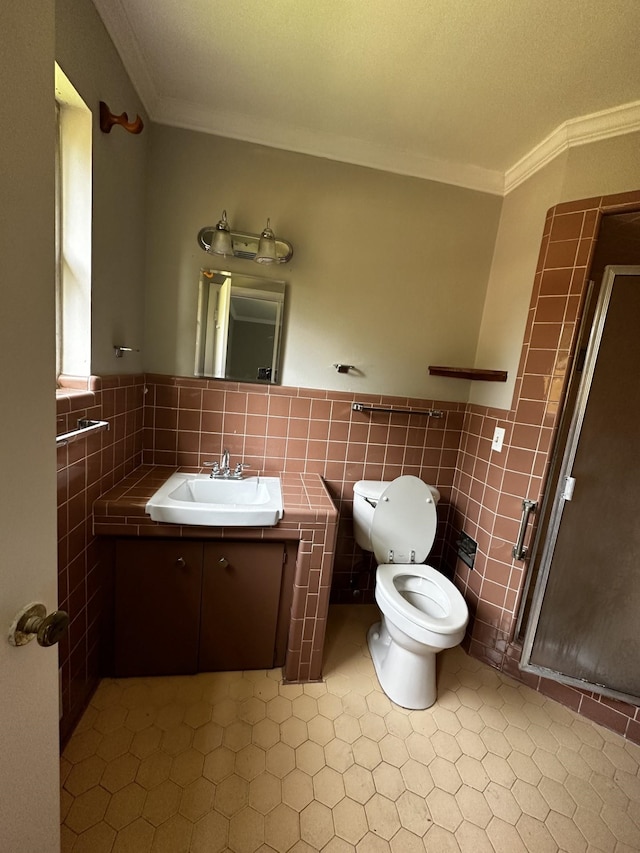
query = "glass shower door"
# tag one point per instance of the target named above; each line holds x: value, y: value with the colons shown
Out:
x: 584, y: 624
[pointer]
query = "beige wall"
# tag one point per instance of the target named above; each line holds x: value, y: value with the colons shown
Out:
x: 511, y: 281
x: 610, y: 166
x: 29, y: 767
x: 87, y: 56
x: 389, y: 272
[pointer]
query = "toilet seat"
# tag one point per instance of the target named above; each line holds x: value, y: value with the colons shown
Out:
x: 404, y: 522
x: 420, y: 597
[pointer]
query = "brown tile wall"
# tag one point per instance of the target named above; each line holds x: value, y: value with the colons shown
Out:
x: 299, y: 430
x: 489, y: 487
x: 183, y: 421
x: 87, y: 468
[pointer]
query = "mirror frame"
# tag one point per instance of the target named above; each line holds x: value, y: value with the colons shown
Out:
x: 212, y: 354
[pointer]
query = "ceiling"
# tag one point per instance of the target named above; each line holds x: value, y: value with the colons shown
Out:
x: 477, y: 93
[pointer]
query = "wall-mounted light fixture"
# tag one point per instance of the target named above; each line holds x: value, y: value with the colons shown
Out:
x: 264, y: 248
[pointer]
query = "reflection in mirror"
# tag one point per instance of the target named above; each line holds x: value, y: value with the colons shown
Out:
x: 239, y: 327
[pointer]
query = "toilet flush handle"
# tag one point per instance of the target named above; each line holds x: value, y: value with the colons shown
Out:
x: 374, y: 503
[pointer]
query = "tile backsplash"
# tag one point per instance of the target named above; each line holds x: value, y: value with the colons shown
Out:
x: 299, y: 430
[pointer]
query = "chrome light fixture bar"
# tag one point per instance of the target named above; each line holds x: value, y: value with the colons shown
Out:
x: 264, y: 248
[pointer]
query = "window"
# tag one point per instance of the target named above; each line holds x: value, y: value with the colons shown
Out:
x: 73, y: 230
x: 58, y: 242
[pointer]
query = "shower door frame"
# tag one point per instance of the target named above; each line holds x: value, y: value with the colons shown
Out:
x: 559, y: 500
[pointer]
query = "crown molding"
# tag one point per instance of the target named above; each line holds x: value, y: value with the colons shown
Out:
x: 115, y: 19
x: 595, y: 127
x: 344, y: 149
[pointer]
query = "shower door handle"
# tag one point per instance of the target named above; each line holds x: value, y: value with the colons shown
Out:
x: 519, y: 550
x: 569, y: 486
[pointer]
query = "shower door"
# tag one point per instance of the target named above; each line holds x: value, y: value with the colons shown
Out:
x: 583, y: 628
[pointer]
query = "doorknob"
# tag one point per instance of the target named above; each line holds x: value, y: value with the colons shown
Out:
x: 32, y: 621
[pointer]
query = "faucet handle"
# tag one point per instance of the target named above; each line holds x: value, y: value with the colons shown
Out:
x: 215, y: 467
x: 239, y: 469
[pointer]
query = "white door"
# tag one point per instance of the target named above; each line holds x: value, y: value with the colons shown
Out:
x: 29, y: 806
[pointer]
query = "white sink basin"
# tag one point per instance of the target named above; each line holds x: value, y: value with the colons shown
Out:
x: 197, y: 499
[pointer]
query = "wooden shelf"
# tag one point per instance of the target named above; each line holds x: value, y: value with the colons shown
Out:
x: 468, y: 373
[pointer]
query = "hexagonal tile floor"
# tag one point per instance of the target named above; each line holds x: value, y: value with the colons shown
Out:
x: 241, y: 762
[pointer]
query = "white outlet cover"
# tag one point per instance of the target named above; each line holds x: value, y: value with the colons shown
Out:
x: 498, y: 438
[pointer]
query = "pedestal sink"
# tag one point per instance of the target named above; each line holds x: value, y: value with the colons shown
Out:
x: 204, y: 501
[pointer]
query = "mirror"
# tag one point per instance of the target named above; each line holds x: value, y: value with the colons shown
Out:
x: 239, y: 327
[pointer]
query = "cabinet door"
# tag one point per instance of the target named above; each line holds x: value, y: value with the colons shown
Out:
x: 157, y: 606
x: 240, y: 599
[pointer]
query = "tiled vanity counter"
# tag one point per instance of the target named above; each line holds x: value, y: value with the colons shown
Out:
x: 310, y: 519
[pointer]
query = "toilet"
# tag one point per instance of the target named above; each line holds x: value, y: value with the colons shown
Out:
x: 422, y: 611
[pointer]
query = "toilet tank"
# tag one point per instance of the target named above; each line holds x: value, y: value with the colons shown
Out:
x: 366, y: 494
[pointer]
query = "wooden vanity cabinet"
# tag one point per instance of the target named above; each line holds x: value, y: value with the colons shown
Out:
x: 241, y: 584
x: 185, y: 606
x: 157, y: 606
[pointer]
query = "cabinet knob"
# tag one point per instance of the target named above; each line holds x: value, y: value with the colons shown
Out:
x: 223, y: 562
x: 181, y: 562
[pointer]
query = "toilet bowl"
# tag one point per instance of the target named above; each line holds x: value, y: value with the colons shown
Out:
x: 422, y: 611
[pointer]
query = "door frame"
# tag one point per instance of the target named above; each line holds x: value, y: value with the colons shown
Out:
x: 557, y: 506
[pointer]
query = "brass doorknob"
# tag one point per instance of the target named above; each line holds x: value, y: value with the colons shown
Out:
x: 32, y: 621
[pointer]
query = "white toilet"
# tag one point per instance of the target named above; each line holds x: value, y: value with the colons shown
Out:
x: 422, y: 611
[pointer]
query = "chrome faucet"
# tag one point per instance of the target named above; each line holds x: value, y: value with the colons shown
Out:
x: 222, y: 470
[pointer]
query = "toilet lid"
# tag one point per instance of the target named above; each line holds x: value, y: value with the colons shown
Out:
x: 404, y: 520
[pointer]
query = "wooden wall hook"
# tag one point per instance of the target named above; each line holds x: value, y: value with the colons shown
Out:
x: 108, y: 119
